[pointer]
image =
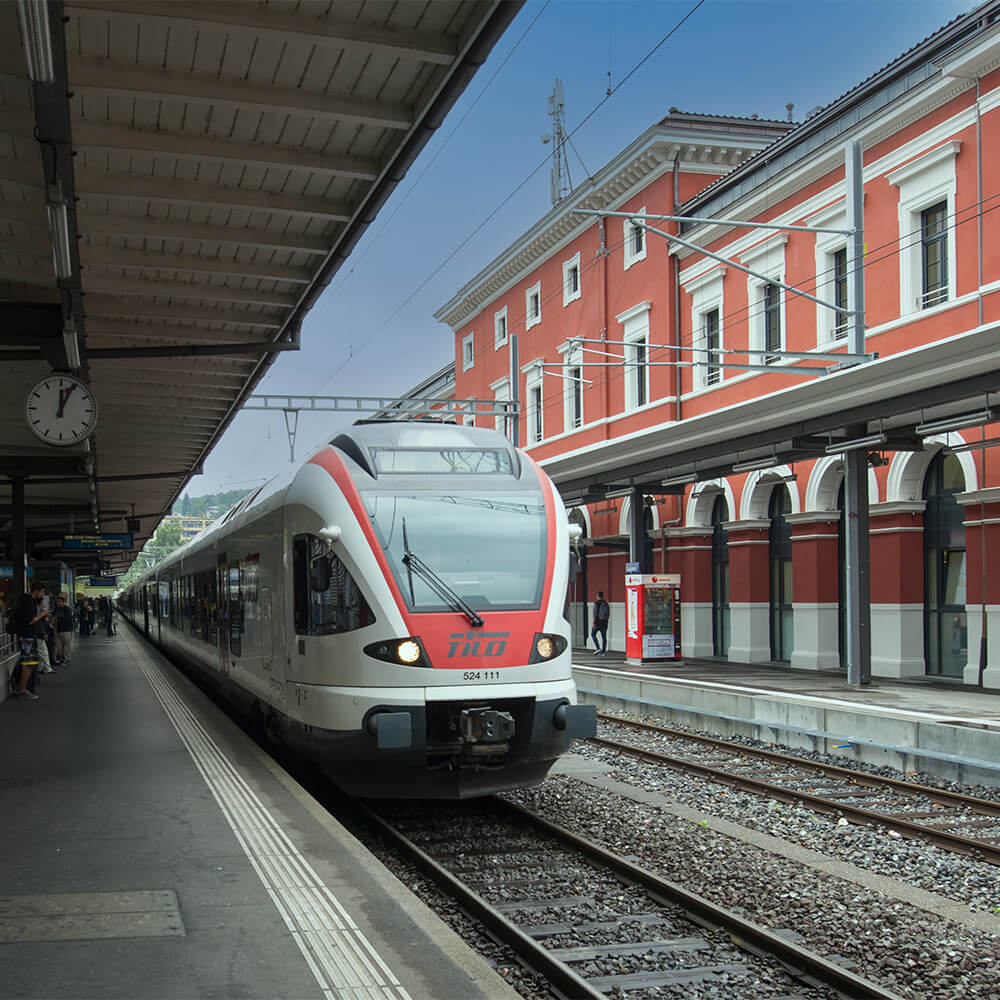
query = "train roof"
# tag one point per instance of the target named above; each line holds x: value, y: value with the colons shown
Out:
x: 360, y: 442
x: 364, y: 439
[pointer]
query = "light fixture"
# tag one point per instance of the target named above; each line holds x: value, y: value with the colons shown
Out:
x: 62, y: 258
x: 871, y: 441
x: 690, y: 477
x: 986, y: 416
x: 625, y: 491
x: 973, y: 445
x: 34, y: 18
x: 71, y: 344
x: 757, y: 463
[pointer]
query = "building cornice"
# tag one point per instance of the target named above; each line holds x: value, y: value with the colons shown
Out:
x: 646, y: 159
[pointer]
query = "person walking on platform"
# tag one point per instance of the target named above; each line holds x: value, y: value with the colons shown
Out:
x: 602, y: 615
x: 28, y: 615
x: 64, y: 631
x: 84, y: 613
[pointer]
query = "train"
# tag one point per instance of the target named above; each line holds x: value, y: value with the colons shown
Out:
x: 392, y: 609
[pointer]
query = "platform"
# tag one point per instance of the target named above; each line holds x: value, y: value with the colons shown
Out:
x: 917, y: 725
x: 151, y: 849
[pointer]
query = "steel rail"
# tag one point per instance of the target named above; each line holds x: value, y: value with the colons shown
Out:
x: 803, y: 964
x: 942, y: 795
x: 800, y: 962
x: 559, y: 974
x: 981, y: 850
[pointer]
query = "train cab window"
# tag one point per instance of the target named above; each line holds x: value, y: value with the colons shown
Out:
x: 326, y: 598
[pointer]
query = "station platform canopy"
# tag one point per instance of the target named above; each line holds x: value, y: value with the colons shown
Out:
x: 178, y: 184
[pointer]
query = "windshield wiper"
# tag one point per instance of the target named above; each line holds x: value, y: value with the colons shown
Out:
x: 414, y: 564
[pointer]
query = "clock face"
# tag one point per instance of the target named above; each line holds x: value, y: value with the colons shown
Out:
x: 60, y: 409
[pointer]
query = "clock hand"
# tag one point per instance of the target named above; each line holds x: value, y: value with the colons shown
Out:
x: 64, y: 395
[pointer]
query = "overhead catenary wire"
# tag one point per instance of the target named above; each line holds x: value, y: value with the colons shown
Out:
x: 491, y: 215
x: 894, y: 247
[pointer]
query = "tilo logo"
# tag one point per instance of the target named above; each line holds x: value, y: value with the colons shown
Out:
x: 477, y: 643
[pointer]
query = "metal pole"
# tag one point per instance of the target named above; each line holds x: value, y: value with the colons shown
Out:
x: 18, y: 540
x: 636, y: 541
x: 856, y: 538
x: 515, y: 388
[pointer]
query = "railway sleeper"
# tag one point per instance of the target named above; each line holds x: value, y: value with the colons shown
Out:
x: 636, y: 949
x: 672, y: 977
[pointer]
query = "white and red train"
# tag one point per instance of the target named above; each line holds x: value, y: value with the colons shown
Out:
x: 393, y: 609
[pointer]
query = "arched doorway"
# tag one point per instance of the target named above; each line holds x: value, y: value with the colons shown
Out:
x: 945, y: 627
x: 720, y: 578
x: 577, y: 597
x: 780, y: 553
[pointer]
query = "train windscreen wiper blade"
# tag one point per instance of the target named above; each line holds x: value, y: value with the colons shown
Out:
x: 414, y: 564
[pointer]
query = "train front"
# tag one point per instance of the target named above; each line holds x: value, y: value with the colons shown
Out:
x: 458, y: 681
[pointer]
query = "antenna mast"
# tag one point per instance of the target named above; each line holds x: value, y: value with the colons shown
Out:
x: 562, y: 184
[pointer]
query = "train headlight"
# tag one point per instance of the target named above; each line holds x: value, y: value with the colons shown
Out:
x: 547, y: 647
x: 407, y: 652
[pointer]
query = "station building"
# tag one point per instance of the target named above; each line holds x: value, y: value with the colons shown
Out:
x: 622, y: 336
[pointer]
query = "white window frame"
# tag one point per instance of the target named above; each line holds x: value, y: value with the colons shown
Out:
x: 768, y: 259
x: 500, y: 328
x: 628, y: 231
x: 635, y: 327
x: 567, y: 269
x: 501, y: 394
x: 534, y: 410
x: 922, y: 183
x: 707, y: 293
x: 469, y: 351
x: 468, y: 416
x: 529, y: 320
x: 827, y: 246
x: 572, y: 355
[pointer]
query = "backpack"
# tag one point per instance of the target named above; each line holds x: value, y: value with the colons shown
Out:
x: 603, y: 611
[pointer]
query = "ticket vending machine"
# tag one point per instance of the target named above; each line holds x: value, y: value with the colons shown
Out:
x: 652, y: 617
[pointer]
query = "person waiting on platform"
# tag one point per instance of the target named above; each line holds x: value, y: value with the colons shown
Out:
x: 28, y: 615
x: 602, y: 615
x: 64, y: 631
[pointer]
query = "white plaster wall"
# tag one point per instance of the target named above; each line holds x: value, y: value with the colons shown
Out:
x: 696, y: 629
x: 897, y: 632
x: 751, y: 640
x: 991, y: 675
x: 815, y: 637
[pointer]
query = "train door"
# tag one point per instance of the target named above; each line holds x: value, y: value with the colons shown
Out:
x: 145, y: 609
x: 266, y: 630
x: 222, y: 612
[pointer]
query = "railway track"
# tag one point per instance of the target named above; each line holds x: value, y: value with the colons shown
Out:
x: 593, y: 923
x: 956, y: 822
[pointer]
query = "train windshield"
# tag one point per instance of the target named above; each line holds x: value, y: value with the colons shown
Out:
x: 489, y: 550
x: 442, y: 461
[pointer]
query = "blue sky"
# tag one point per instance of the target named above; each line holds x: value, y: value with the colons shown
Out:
x: 373, y: 331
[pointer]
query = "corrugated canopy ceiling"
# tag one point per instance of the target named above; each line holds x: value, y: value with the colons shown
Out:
x: 178, y: 183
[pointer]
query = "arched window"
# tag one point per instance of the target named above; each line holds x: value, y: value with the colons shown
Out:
x: 945, y: 630
x: 780, y: 550
x: 720, y: 578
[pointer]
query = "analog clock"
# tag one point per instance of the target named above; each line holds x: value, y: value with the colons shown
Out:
x: 60, y: 409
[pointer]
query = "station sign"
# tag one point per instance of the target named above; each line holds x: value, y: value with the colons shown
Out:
x: 104, y: 581
x: 95, y: 542
x: 7, y: 572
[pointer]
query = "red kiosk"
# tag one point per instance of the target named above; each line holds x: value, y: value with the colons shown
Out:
x: 652, y: 617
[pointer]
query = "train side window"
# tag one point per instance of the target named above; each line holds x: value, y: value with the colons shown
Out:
x: 327, y: 599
